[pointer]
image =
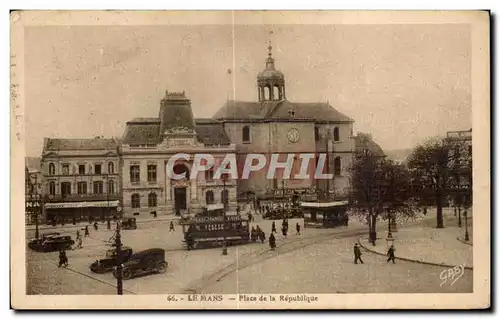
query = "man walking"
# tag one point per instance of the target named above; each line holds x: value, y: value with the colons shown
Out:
x: 390, y: 253
x: 298, y: 228
x: 171, y: 226
x: 357, y: 254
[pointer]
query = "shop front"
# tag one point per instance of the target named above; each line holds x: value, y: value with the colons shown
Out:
x: 69, y: 212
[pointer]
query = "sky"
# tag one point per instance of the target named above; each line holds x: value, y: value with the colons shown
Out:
x: 401, y: 83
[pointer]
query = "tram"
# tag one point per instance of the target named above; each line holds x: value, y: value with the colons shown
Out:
x: 325, y: 214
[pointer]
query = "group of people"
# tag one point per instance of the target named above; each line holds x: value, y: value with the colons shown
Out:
x: 284, y: 231
x: 257, y: 233
x: 390, y: 253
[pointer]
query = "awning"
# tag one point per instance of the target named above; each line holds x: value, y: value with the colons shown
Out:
x: 111, y: 203
x: 323, y: 205
x: 211, y: 207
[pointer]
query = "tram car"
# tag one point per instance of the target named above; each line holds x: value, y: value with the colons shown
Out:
x: 325, y: 214
x: 202, y: 232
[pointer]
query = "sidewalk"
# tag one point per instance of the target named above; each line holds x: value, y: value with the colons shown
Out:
x: 83, y: 224
x: 426, y: 245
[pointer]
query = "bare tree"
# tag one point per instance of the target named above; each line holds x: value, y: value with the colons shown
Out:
x: 432, y: 168
x: 379, y: 187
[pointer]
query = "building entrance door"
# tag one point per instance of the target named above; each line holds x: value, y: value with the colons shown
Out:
x: 180, y: 199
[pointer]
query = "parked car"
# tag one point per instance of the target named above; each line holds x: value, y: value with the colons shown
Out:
x: 36, y: 243
x: 107, y: 264
x: 52, y: 243
x: 129, y: 223
x: 144, y: 262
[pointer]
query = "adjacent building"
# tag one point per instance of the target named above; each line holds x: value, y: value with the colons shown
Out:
x: 81, y: 178
x: 460, y: 163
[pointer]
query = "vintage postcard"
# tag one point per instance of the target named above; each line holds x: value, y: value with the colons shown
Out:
x: 250, y: 160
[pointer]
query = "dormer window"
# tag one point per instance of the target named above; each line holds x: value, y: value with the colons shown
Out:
x: 246, y: 134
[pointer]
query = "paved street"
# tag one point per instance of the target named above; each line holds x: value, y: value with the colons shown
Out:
x: 301, y: 263
x: 328, y: 268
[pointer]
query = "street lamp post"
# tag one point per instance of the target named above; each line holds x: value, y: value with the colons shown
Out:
x: 119, y: 267
x: 224, y: 199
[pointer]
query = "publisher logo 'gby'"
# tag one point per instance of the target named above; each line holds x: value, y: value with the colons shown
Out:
x: 253, y: 163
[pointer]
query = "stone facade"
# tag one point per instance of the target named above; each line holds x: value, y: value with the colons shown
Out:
x: 81, y: 178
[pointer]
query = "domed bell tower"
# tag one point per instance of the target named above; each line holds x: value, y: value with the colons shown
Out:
x: 271, y: 82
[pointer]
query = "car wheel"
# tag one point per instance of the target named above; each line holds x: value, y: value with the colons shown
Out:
x: 126, y: 274
x: 162, y: 267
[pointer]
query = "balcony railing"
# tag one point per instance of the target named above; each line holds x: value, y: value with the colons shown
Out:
x: 83, y: 197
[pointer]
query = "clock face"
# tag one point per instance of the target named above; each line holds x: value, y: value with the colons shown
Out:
x: 293, y: 135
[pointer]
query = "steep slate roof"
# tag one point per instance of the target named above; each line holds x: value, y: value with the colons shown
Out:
x: 365, y: 141
x: 212, y: 134
x: 147, y: 131
x: 55, y: 144
x: 142, y: 133
x: 242, y: 110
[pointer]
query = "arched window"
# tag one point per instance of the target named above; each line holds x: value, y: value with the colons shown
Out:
x: 336, y: 134
x: 267, y: 93
x: 111, y: 186
x: 337, y: 166
x: 224, y: 195
x: 111, y: 168
x: 246, y: 134
x: 209, y: 197
x: 152, y: 200
x: 52, y: 188
x: 316, y: 133
x: 136, y: 201
x: 276, y: 93
x: 52, y: 169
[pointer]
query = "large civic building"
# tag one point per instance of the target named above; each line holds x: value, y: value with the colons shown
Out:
x: 131, y: 173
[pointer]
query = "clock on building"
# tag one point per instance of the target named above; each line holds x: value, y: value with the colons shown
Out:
x: 293, y: 135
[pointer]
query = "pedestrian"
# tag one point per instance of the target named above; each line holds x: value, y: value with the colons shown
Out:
x: 297, y: 227
x: 63, y: 259
x: 284, y: 230
x: 77, y: 234
x: 250, y: 217
x: 171, y: 226
x: 262, y: 236
x: 357, y: 254
x: 272, y: 241
x: 96, y: 226
x: 273, y: 227
x: 390, y: 253
x: 87, y: 231
x: 79, y: 242
x: 253, y: 235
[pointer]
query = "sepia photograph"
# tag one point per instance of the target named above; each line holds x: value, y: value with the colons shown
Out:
x: 250, y: 159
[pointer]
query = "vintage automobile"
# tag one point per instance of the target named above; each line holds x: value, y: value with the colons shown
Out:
x: 129, y: 223
x: 144, y: 262
x: 53, y: 243
x: 37, y: 242
x: 107, y: 264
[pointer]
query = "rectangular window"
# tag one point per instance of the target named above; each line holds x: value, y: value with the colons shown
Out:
x: 97, y: 169
x: 98, y: 187
x: 135, y: 174
x: 82, y: 187
x: 65, y: 188
x: 209, y: 174
x: 81, y: 169
x: 151, y: 173
x: 65, y: 169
